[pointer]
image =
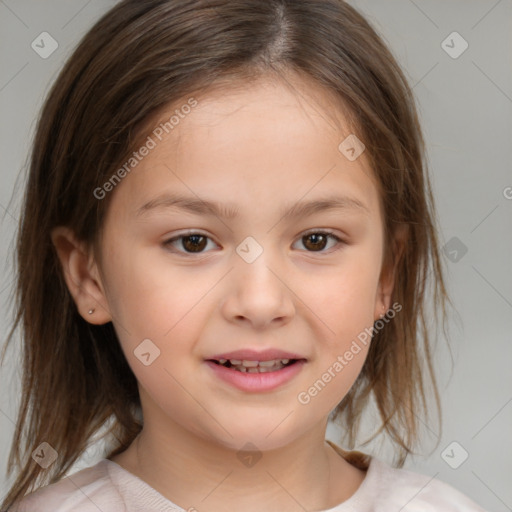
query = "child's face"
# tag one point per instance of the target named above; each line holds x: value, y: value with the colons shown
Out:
x: 260, y: 151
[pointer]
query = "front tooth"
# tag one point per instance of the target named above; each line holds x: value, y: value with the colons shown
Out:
x: 250, y: 364
x: 257, y: 369
x: 268, y: 364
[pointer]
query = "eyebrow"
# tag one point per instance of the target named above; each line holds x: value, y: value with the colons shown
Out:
x: 230, y: 210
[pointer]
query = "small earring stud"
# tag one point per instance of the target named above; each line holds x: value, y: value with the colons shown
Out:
x: 91, y: 311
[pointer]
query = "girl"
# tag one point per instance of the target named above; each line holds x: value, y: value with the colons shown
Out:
x: 225, y: 242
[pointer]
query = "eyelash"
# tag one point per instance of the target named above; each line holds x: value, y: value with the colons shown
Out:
x: 168, y: 243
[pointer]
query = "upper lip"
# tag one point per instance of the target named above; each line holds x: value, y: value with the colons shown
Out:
x: 256, y: 355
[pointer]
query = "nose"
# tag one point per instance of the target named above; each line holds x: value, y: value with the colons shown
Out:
x: 258, y: 295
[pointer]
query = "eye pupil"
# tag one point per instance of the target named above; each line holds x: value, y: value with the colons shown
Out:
x: 195, y: 247
x: 316, y: 236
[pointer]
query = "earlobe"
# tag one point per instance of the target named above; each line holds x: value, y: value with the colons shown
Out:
x: 81, y: 275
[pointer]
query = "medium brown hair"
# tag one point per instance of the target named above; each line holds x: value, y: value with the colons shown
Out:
x: 141, y: 56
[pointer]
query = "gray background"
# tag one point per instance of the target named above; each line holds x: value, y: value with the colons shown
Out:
x: 465, y: 105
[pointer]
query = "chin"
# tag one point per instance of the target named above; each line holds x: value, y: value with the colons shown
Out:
x: 260, y: 437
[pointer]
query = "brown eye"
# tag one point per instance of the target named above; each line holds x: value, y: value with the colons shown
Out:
x: 317, y: 241
x: 188, y: 244
x: 194, y: 243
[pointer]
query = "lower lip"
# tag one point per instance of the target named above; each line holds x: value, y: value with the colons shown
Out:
x: 256, y: 382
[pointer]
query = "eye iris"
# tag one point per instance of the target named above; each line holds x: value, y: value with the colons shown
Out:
x: 194, y: 247
x: 316, y: 236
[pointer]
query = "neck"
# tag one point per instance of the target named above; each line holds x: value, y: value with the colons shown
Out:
x: 196, y: 473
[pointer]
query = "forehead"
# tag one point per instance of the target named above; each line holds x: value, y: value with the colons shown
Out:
x: 285, y: 105
x: 268, y: 142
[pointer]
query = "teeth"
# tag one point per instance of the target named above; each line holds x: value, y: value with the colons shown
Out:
x: 250, y: 364
x: 267, y: 364
x: 247, y: 366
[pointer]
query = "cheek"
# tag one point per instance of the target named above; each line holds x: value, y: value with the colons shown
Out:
x: 344, y: 297
x: 149, y: 295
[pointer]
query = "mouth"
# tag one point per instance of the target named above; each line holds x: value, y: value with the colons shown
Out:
x: 256, y: 370
x: 255, y: 366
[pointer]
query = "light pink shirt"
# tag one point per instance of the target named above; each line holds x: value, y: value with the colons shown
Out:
x: 108, y: 487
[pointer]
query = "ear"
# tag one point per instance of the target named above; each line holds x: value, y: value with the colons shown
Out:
x: 82, y: 276
x: 388, y: 272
